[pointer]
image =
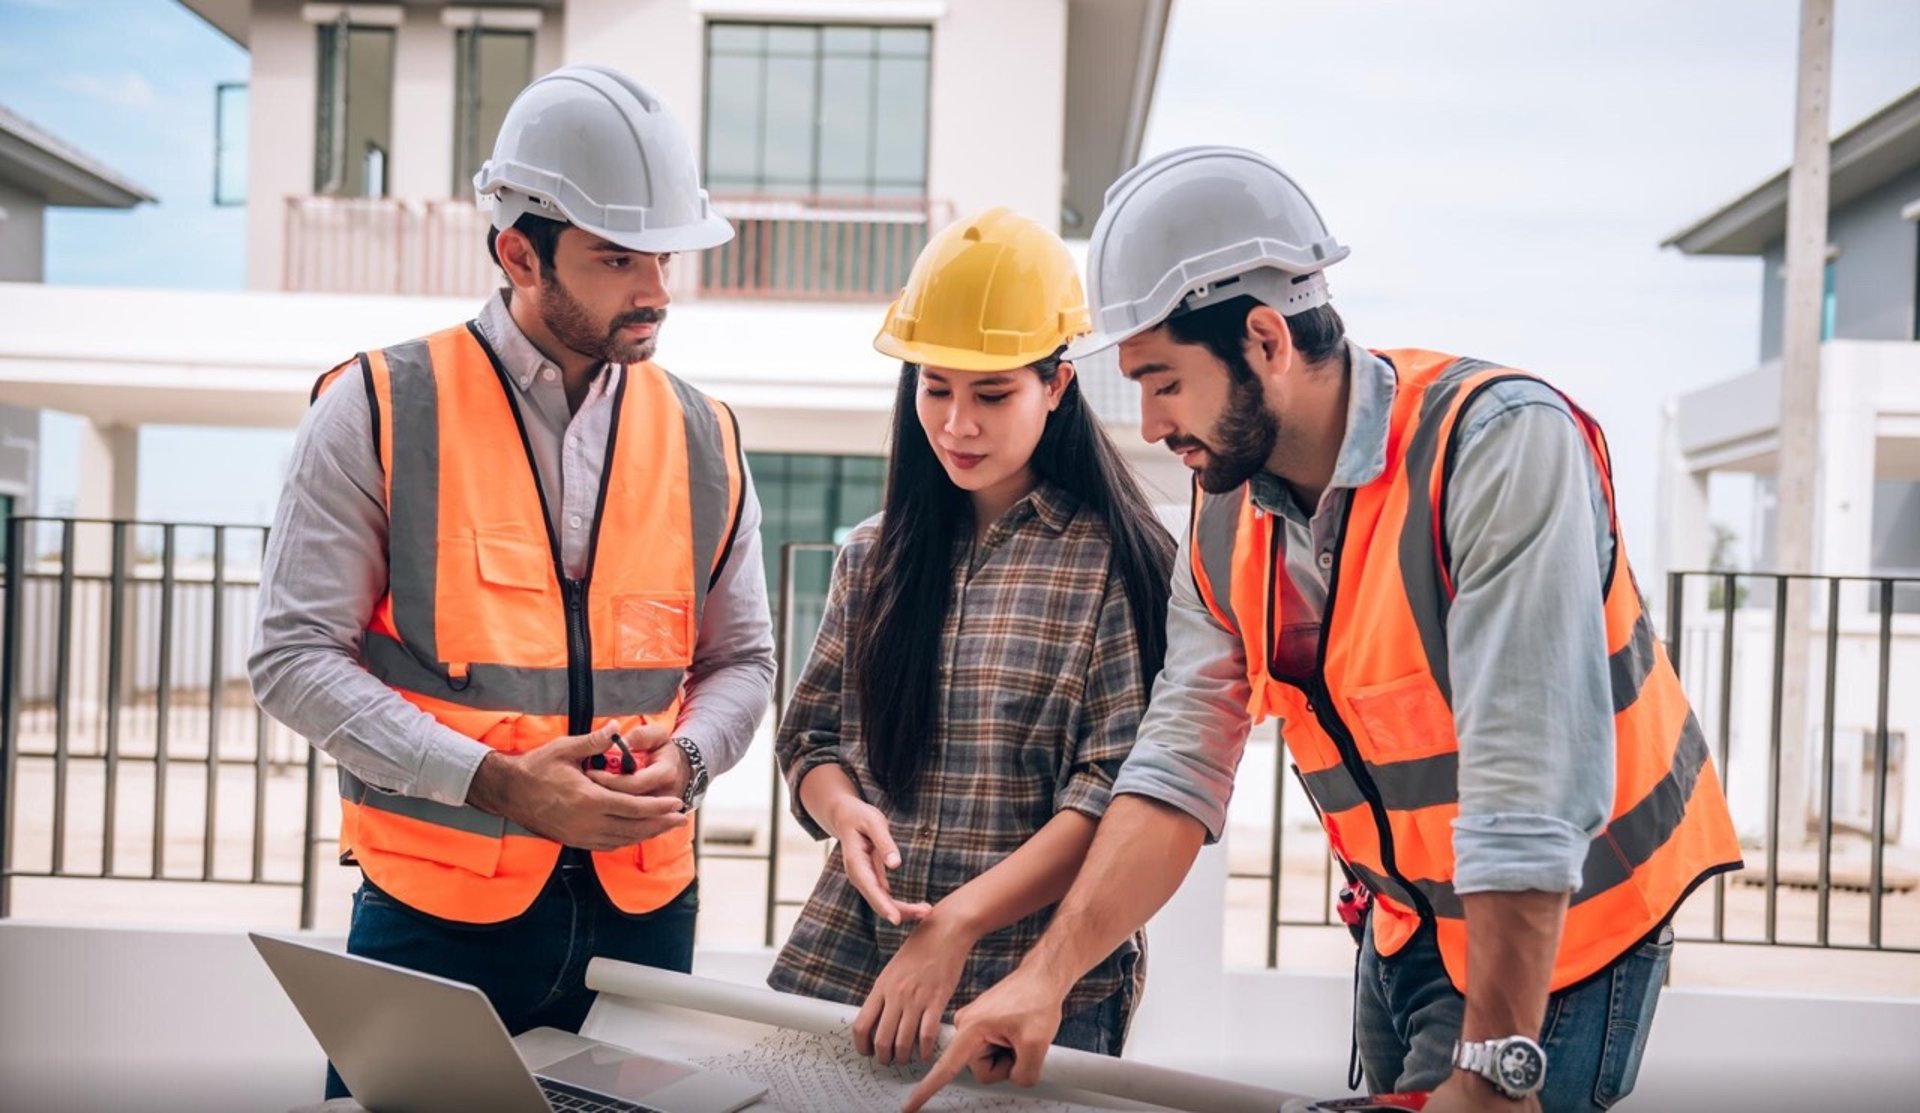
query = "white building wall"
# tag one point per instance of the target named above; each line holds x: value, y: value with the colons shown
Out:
x: 280, y: 136
x: 999, y: 104
x: 424, y: 77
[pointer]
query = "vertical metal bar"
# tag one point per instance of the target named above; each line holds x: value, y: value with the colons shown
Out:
x: 1877, y: 873
x: 62, y: 680
x: 116, y: 636
x: 309, y: 874
x: 163, y: 702
x: 10, y: 628
x: 1773, y: 760
x: 1273, y: 875
x: 783, y: 626
x: 1823, y: 920
x: 215, y: 668
x: 259, y: 794
x: 1729, y: 588
x: 1676, y: 586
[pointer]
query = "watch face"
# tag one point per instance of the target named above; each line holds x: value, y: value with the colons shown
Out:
x: 1521, y: 1066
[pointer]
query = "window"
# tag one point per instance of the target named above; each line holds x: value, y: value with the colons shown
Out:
x: 834, y: 110
x: 1829, y: 304
x: 491, y: 67
x: 230, y: 143
x: 810, y: 499
x: 355, y: 126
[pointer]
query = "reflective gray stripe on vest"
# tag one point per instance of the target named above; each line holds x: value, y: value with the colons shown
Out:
x: 1439, y: 894
x: 1404, y: 785
x: 458, y: 817
x: 1631, y: 840
x: 710, y: 501
x: 1214, y: 534
x: 528, y: 691
x: 1630, y: 667
x: 413, y: 504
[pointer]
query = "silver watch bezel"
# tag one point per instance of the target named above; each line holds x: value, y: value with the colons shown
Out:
x: 698, y: 776
x: 1483, y: 1058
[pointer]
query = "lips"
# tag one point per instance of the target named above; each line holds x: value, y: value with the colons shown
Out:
x: 963, y: 461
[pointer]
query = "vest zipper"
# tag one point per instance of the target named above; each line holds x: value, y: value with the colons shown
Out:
x: 579, y: 658
x: 1320, y: 703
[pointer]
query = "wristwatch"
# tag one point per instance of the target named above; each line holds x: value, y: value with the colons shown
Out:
x: 1515, y: 1065
x: 697, y: 776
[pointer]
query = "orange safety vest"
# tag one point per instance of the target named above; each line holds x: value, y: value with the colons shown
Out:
x: 1371, y: 731
x: 482, y: 629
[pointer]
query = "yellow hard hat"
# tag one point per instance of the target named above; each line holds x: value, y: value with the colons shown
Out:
x: 989, y: 293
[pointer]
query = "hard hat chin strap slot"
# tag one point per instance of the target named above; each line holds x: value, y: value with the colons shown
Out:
x: 1288, y: 293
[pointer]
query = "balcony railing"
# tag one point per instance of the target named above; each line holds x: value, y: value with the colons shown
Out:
x: 808, y: 248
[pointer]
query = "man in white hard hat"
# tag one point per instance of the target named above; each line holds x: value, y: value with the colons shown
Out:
x: 1412, y: 561
x: 514, y: 586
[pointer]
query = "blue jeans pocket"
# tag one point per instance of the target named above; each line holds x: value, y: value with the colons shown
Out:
x: 1635, y: 991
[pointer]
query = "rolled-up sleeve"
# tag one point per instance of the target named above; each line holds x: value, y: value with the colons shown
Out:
x: 810, y: 728
x: 1195, y: 728
x: 1527, y: 644
x: 1109, y: 711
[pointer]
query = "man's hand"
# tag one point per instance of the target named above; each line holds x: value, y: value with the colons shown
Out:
x: 1463, y: 1092
x: 662, y: 769
x: 868, y: 851
x: 1003, y: 1034
x: 903, y: 1012
x: 545, y: 791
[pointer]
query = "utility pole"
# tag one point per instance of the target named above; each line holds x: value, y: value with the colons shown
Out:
x: 1798, y: 458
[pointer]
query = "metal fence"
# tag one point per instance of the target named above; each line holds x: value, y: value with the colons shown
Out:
x: 134, y: 675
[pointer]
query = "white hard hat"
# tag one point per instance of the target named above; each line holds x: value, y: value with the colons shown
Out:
x: 1198, y: 226
x: 593, y: 147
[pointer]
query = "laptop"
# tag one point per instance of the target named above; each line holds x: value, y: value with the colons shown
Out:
x: 407, y: 1042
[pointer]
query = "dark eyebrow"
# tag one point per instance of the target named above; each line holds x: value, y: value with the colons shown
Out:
x: 993, y: 381
x: 1146, y: 369
x: 610, y: 246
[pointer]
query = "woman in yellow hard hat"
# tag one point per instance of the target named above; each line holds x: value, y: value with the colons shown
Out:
x: 985, y: 658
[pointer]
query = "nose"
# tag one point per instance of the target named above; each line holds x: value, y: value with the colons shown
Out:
x: 961, y: 422
x: 652, y: 291
x: 1154, y: 426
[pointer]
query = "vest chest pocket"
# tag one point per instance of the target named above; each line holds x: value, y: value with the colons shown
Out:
x: 655, y: 629
x: 508, y: 561
x: 1403, y: 718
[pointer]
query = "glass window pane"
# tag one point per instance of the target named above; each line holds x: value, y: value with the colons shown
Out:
x: 491, y: 67
x: 900, y: 150
x: 787, y: 39
x: 786, y: 147
x: 734, y: 98
x: 328, y: 109
x: 745, y: 38
x: 846, y: 122
x: 369, y: 110
x: 846, y: 40
x: 906, y: 42
x: 230, y: 145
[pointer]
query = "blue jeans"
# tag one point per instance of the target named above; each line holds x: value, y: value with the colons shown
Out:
x: 532, y: 968
x: 1407, y: 1016
x: 1101, y: 1029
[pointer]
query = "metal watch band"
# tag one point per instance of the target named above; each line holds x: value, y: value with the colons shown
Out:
x: 697, y: 774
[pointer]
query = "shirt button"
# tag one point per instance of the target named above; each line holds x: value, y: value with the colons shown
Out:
x: 573, y: 442
x: 526, y: 380
x: 547, y: 373
x: 574, y: 521
x: 1326, y: 560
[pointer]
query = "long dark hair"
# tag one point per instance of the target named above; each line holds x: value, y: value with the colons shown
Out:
x: 908, y: 571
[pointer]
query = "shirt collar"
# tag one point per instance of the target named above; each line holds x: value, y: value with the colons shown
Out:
x: 518, y: 357
x: 1363, y: 450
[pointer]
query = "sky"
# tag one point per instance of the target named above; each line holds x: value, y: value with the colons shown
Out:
x: 1504, y: 171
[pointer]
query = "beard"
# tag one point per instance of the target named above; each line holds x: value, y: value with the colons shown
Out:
x: 1241, y: 442
x: 573, y: 326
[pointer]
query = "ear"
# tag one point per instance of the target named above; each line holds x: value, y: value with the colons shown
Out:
x: 1057, y: 389
x: 518, y: 259
x: 1270, y: 348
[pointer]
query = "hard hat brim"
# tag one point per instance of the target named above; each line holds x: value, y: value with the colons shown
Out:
x: 954, y: 359
x: 709, y: 233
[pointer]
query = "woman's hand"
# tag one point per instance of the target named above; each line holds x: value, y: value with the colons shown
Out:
x: 868, y: 851
x: 902, y: 1014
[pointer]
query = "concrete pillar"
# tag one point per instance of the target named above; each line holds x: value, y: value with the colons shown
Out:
x: 1180, y: 1018
x: 1683, y: 532
x: 108, y: 487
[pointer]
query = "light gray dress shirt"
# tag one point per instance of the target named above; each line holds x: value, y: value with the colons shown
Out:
x: 326, y: 569
x: 1527, y: 526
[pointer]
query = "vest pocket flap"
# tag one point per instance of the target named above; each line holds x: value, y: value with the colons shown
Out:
x: 465, y: 838
x: 512, y: 562
x: 656, y: 629
x: 1403, y: 718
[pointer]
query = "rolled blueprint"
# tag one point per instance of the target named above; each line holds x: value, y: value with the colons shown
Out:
x: 1064, y: 1067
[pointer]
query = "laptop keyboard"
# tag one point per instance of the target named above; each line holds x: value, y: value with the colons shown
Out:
x: 572, y: 1099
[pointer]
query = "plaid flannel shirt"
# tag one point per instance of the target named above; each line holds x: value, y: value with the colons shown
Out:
x: 1040, y: 674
